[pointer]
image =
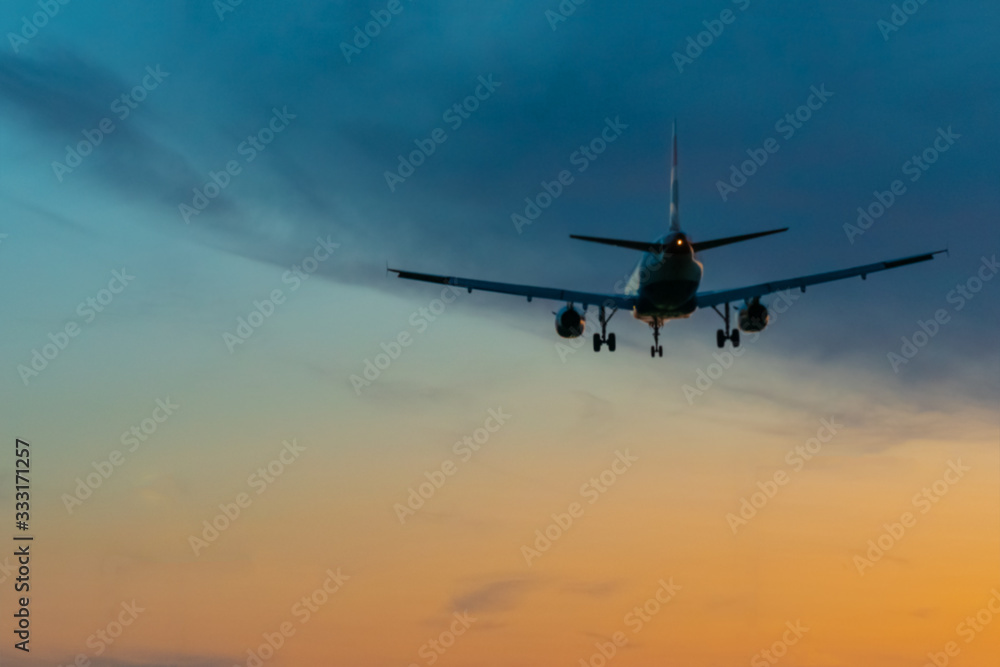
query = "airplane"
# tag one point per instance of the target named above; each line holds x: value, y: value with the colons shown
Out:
x: 664, y: 284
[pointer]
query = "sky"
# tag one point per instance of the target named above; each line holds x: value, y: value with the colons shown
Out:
x: 249, y: 445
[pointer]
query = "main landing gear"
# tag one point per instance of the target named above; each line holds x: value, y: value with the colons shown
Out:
x: 721, y: 336
x: 656, y: 348
x: 604, y: 338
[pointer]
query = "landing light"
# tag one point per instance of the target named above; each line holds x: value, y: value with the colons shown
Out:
x: 680, y: 242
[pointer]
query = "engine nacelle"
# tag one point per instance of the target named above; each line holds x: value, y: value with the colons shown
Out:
x: 569, y: 323
x: 754, y: 317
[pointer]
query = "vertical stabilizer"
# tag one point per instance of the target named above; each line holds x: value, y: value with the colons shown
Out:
x: 675, y: 216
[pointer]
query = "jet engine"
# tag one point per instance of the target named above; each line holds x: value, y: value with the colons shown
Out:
x: 569, y: 322
x: 753, y: 317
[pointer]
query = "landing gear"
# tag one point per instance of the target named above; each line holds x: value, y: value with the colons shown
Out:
x: 656, y: 348
x: 722, y: 335
x: 604, y: 338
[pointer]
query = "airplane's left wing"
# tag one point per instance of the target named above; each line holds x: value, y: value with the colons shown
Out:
x: 707, y: 299
x: 529, y: 291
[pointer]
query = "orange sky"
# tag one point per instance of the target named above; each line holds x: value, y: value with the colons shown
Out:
x: 662, y: 519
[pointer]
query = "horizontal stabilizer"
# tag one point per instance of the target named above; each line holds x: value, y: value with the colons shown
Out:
x: 707, y: 245
x: 645, y: 246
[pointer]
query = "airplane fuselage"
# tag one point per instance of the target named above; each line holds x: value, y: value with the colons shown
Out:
x: 666, y: 284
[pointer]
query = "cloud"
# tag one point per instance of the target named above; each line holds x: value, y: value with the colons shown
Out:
x: 596, y: 589
x: 496, y: 596
x: 63, y: 95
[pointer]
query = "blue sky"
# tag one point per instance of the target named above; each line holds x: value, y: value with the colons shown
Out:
x: 224, y: 77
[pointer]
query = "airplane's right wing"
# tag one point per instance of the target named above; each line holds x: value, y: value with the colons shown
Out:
x: 707, y: 299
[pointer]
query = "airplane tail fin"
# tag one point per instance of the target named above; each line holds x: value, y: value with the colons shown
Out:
x: 675, y: 217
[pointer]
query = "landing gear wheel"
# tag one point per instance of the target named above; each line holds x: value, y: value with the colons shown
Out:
x: 729, y: 333
x: 656, y: 348
x: 604, y: 337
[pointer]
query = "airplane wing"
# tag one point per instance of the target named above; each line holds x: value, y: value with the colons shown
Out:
x: 529, y: 291
x: 707, y: 299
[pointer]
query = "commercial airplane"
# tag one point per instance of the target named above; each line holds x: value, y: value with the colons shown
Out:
x: 664, y: 285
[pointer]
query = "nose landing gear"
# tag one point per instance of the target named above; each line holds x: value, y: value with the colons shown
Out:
x: 656, y: 348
